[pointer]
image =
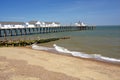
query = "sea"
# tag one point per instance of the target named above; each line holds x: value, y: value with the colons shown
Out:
x: 102, y: 43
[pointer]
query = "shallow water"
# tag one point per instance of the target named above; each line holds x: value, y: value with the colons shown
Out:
x: 104, y: 41
x: 61, y: 50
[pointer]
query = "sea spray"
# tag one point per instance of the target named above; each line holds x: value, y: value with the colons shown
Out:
x: 76, y: 54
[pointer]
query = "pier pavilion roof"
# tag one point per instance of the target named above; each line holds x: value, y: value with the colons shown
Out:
x: 56, y: 22
x: 48, y: 22
x: 52, y: 22
x: 32, y: 22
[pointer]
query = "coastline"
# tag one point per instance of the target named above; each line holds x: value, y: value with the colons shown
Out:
x: 62, y: 66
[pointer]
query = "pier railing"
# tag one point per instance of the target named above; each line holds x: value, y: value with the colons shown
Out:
x: 41, y: 30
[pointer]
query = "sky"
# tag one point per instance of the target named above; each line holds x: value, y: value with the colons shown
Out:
x: 91, y: 12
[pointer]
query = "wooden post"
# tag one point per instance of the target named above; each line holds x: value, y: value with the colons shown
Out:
x: 29, y: 30
x: 9, y: 32
x: 15, y: 32
x: 34, y: 30
x: 62, y: 28
x: 25, y: 31
x: 5, y: 32
x: 20, y: 31
x: 40, y: 29
x: 48, y: 30
x: 0, y: 33
x: 52, y: 29
x: 12, y: 31
x: 45, y: 29
x: 4, y: 35
x: 58, y: 29
x: 37, y: 30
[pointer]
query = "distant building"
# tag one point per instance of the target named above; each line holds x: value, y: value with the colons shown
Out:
x: 52, y: 24
x: 42, y: 24
x: 4, y: 25
x: 31, y: 24
x: 80, y: 24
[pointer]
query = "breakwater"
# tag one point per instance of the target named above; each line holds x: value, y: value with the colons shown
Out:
x: 41, y: 30
x: 14, y: 43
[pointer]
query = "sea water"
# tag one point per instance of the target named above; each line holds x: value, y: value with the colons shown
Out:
x: 103, y: 43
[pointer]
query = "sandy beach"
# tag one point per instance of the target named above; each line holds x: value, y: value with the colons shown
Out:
x: 19, y: 63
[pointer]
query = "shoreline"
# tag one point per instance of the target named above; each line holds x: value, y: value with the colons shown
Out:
x: 92, y: 59
x: 68, y: 55
x: 69, y: 66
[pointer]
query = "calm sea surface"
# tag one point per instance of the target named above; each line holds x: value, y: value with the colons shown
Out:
x: 104, y: 40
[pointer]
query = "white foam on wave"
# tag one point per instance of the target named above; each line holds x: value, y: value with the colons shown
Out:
x: 36, y: 47
x: 84, y: 55
x: 75, y: 53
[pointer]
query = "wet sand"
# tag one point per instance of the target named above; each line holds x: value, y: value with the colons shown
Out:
x: 18, y: 63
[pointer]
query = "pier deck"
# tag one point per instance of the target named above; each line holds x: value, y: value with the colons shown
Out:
x: 41, y: 30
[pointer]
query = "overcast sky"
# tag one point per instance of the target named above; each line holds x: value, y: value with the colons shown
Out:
x: 93, y: 12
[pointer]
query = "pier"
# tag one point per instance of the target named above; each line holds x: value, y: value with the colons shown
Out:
x: 41, y: 30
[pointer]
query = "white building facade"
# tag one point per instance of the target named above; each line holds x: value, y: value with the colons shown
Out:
x: 31, y: 24
x: 6, y: 25
x: 80, y: 24
x: 42, y: 24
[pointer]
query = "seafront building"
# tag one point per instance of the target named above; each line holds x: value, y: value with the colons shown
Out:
x: 30, y: 24
x: 42, y: 24
x: 80, y: 24
x: 33, y: 24
x: 6, y: 25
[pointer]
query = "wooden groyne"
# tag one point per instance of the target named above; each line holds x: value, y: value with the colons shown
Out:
x: 41, y: 30
x: 15, y: 43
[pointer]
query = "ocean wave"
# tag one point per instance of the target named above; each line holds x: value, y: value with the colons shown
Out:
x: 76, y: 54
x: 36, y: 47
